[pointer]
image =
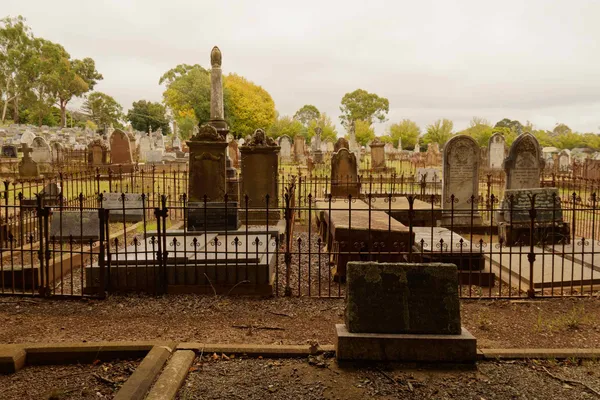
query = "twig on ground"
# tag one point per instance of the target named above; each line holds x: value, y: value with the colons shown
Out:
x: 266, y: 328
x: 211, y: 285
x: 103, y: 379
x: 382, y: 372
x: 236, y: 285
x: 280, y: 314
x: 571, y: 381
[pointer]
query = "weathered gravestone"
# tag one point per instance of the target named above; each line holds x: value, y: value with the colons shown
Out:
x: 524, y: 163
x: 41, y: 151
x: 496, y: 151
x: 460, y: 189
x: 341, y: 143
x: 145, y: 145
x: 344, y: 174
x: 155, y: 156
x: 428, y: 175
x: 564, y: 161
x: 515, y: 222
x: 97, y: 152
x: 128, y: 207
x: 260, y: 180
x: 120, y: 150
x: 233, y: 152
x: 377, y: 155
x: 80, y: 225
x: 315, y: 149
x: 286, y: 148
x: 403, y: 312
x: 207, y: 180
x: 9, y: 151
x: 57, y: 152
x: 51, y: 194
x: 299, y: 150
x: 27, y: 138
x: 27, y: 167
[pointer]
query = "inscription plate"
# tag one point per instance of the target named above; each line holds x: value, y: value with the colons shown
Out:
x: 131, y: 202
x: 81, y: 225
x: 212, y: 216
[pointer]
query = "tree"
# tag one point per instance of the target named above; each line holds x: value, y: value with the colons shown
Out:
x: 328, y: 129
x: 561, y: 129
x: 480, y: 130
x: 364, y: 106
x: 249, y: 106
x: 76, y: 78
x: 438, y: 132
x: 306, y: 114
x: 102, y: 109
x: 49, y: 63
x: 363, y: 132
x: 286, y: 125
x: 386, y: 139
x: 16, y: 53
x: 405, y: 131
x: 515, y: 125
x: 186, y: 121
x: 147, y: 116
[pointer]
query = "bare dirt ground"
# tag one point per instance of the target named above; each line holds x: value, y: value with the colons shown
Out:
x: 556, y: 323
x: 65, y: 382
x: 325, y: 379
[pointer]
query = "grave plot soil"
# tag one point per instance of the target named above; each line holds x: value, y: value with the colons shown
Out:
x: 556, y: 323
x: 324, y: 379
x: 66, y: 382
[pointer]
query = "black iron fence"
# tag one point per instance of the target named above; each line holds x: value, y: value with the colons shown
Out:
x: 531, y: 243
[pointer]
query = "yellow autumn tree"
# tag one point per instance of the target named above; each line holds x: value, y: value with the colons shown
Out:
x: 249, y: 106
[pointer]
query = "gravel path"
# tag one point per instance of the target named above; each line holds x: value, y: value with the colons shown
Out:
x: 318, y: 378
x: 65, y: 382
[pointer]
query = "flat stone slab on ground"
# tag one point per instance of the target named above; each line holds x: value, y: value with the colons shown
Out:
x: 549, y: 270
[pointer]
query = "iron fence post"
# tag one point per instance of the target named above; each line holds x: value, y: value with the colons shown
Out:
x: 531, y: 255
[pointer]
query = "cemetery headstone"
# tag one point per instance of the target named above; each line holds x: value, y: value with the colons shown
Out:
x: 27, y: 167
x: 496, y: 151
x: 344, y: 174
x: 81, y: 226
x: 27, y: 137
x: 260, y: 178
x: 377, y: 155
x: 460, y: 189
x: 97, y: 152
x: 9, y: 151
x: 285, y: 143
x: 41, y: 151
x: 233, y: 152
x: 403, y: 312
x: 524, y: 163
x: 128, y: 207
x: 120, y: 149
x: 299, y: 148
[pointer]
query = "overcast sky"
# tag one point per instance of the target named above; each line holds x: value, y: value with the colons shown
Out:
x: 536, y: 60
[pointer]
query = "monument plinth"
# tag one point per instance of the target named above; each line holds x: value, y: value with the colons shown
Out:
x: 208, y: 183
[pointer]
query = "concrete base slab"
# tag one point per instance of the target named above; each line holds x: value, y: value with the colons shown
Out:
x: 138, y: 384
x: 12, y: 358
x: 405, y: 348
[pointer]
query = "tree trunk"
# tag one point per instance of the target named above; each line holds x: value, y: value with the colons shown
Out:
x: 63, y: 113
x: 16, y: 110
x: 4, y: 109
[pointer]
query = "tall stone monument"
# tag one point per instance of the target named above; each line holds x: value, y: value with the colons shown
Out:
x: 209, y: 171
x: 217, y: 118
x: 460, y: 190
x: 260, y: 178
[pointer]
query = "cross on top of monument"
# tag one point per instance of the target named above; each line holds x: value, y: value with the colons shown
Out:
x: 27, y: 150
